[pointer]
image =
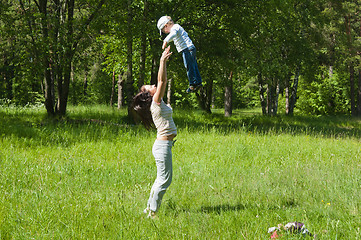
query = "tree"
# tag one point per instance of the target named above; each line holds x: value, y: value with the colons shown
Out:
x: 307, y: 51
x: 56, y: 30
x: 331, y: 83
x: 17, y: 69
x: 352, y: 25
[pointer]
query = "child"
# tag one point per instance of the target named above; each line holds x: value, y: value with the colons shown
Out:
x: 184, y: 45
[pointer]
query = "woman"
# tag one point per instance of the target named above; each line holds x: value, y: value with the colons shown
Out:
x: 151, y: 109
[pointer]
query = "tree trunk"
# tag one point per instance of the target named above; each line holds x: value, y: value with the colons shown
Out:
x: 64, y: 80
x: 7, y: 76
x: 48, y: 87
x: 48, y: 80
x: 228, y: 96
x: 294, y: 91
x: 204, y: 96
x: 352, y: 90
x: 120, y: 90
x: 287, y: 95
x: 129, y: 83
x: 203, y: 99
x: 169, y: 91
x: 113, y: 90
x: 359, y: 95
x: 291, y: 93
x: 351, y: 66
x: 72, y: 83
x: 272, y: 98
x: 63, y: 90
x: 154, y: 71
x: 85, y: 83
x: 268, y: 99
x: 212, y: 101
x: 261, y: 93
x: 143, y: 46
x: 275, y: 100
x: 228, y: 101
x: 209, y: 95
x: 142, y: 63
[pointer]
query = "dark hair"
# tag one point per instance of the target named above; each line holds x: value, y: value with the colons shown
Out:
x: 141, y: 105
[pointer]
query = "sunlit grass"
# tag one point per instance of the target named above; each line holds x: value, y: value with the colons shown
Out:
x: 88, y: 176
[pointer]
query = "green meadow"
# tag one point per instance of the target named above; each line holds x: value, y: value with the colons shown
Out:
x: 88, y: 176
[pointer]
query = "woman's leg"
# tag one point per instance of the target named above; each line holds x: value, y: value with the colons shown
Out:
x: 162, y: 151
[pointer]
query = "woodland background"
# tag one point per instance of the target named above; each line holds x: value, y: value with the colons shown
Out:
x: 280, y: 55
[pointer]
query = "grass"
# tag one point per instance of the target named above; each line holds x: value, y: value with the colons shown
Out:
x: 88, y: 176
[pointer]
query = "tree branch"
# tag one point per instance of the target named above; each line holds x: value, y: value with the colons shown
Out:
x: 29, y: 24
x: 86, y: 24
x: 37, y: 4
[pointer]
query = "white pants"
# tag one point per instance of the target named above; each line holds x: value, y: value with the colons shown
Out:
x: 162, y: 152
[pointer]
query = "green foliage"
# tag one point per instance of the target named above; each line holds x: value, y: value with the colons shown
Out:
x: 267, y: 39
x: 97, y: 89
x: 325, y: 95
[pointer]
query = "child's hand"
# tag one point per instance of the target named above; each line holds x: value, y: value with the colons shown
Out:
x: 164, y: 44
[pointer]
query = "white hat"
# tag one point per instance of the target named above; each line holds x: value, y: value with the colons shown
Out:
x: 162, y: 22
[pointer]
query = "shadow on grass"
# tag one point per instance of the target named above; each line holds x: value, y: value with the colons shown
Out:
x: 326, y: 126
x: 38, y: 128
x: 109, y: 124
x: 20, y: 124
x: 218, y: 209
x: 222, y: 208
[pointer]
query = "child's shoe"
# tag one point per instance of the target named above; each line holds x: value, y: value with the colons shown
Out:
x: 152, y: 215
x: 194, y: 88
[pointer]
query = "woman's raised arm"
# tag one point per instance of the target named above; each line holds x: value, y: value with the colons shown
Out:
x: 162, y: 75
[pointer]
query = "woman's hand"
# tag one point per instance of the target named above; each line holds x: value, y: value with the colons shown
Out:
x: 166, y: 54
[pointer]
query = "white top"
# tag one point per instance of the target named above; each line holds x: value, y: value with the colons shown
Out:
x: 179, y: 37
x: 162, y: 118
